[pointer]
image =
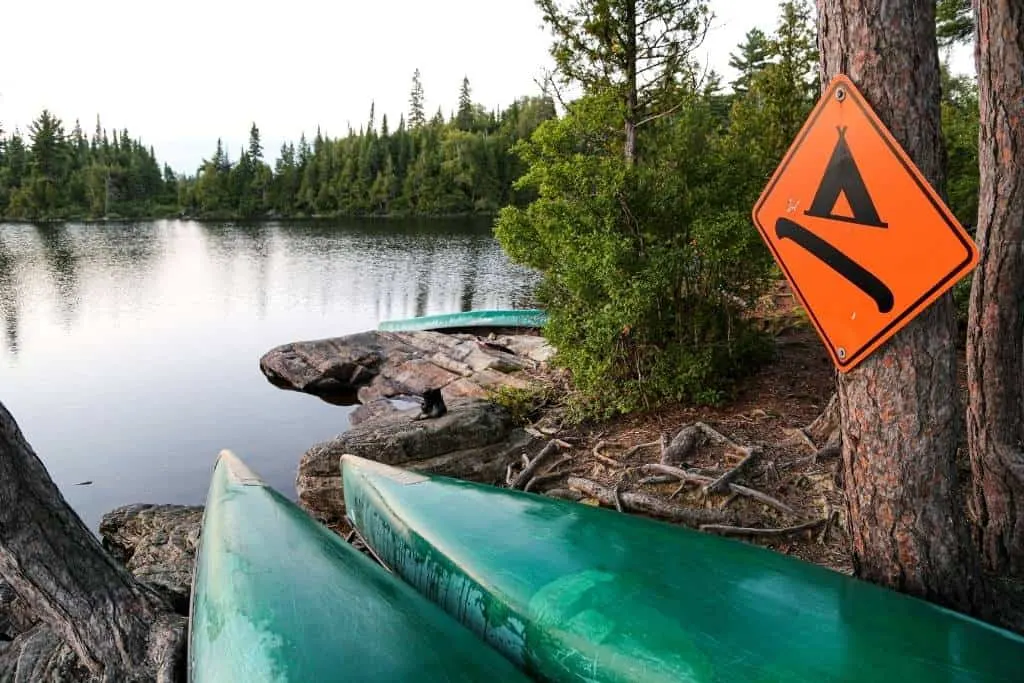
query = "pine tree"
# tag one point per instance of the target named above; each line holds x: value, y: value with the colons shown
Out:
x: 255, y: 147
x: 754, y: 54
x: 464, y: 118
x: 417, y: 117
x: 954, y: 22
x: 633, y: 50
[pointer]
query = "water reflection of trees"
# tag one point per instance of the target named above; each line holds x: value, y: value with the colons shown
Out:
x: 62, y: 263
x: 9, y: 299
x: 245, y: 242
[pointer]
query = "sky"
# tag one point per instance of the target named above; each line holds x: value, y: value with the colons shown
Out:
x: 182, y: 74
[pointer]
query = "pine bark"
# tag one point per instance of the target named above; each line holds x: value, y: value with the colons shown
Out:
x: 899, y: 415
x: 119, y: 629
x: 995, y: 337
x: 632, y: 92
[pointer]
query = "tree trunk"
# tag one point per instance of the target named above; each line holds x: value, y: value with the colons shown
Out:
x: 995, y: 337
x: 632, y: 96
x: 899, y: 413
x: 119, y: 629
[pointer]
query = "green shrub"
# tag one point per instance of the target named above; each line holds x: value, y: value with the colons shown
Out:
x: 647, y: 268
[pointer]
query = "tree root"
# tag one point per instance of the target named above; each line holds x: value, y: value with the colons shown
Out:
x: 719, y: 485
x: 692, y: 436
x: 549, y: 475
x: 611, y: 462
x: 687, y: 477
x: 652, y: 505
x: 724, y: 530
x: 532, y: 467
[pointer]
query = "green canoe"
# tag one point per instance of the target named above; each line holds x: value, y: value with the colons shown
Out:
x: 571, y: 592
x: 530, y: 317
x: 277, y: 597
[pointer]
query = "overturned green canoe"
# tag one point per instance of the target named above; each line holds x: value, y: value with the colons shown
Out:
x: 530, y: 317
x: 277, y: 597
x: 574, y: 593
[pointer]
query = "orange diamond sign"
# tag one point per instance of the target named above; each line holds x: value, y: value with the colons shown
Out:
x: 864, y: 240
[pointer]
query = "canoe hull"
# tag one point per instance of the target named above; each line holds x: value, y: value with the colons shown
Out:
x: 573, y: 593
x: 525, y: 318
x: 277, y: 597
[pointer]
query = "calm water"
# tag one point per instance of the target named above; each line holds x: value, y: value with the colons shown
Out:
x: 129, y: 353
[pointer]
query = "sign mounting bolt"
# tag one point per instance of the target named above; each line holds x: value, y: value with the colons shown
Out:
x: 841, y: 352
x: 840, y: 93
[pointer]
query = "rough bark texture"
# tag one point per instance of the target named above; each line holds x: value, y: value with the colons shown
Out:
x: 899, y: 411
x: 119, y: 629
x: 995, y: 338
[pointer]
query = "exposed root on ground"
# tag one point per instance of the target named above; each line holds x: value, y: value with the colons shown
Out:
x: 699, y: 476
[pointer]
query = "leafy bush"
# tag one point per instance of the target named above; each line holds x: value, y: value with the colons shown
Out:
x: 647, y: 268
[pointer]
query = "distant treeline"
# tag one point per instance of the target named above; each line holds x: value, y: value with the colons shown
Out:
x: 424, y: 166
x: 463, y: 163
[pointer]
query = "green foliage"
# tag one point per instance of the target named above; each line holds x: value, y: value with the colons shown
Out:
x: 417, y: 117
x: 524, y: 405
x: 960, y: 129
x: 58, y: 175
x: 954, y: 22
x: 645, y: 274
x: 456, y: 167
x: 754, y: 52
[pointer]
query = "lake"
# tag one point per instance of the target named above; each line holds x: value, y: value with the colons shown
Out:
x: 129, y: 353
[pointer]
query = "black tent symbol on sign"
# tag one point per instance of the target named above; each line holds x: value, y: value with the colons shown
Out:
x: 843, y: 176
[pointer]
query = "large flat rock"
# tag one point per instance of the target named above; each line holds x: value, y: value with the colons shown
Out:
x: 475, y: 440
x: 374, y: 365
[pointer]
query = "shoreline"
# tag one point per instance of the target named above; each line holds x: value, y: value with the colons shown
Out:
x: 236, y: 218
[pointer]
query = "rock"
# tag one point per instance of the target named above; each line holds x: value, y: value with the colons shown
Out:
x: 157, y: 543
x: 384, y: 407
x: 327, y: 367
x: 528, y: 346
x: 369, y: 366
x: 475, y: 440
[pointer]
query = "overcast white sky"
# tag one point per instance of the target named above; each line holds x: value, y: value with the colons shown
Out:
x: 181, y: 74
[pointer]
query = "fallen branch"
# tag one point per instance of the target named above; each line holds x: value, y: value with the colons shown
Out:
x: 657, y: 479
x: 564, y: 494
x: 363, y: 546
x: 633, y: 449
x: 799, y: 435
x: 828, y: 452
x: 719, y: 485
x: 531, y: 466
x: 604, y: 458
x: 832, y: 518
x: 549, y: 474
x: 724, y: 530
x: 734, y: 488
x: 642, y: 502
